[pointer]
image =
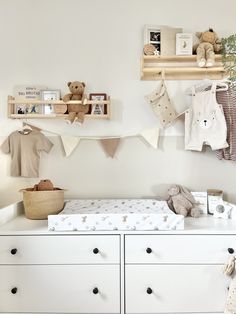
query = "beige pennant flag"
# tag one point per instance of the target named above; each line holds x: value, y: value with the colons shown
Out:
x: 110, y: 146
x: 151, y: 136
x: 69, y: 143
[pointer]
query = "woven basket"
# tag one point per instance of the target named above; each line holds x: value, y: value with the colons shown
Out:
x: 40, y: 204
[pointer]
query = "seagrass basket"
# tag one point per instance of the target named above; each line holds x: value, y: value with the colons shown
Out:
x: 40, y: 204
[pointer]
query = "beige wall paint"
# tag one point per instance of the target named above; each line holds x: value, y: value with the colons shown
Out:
x: 100, y: 42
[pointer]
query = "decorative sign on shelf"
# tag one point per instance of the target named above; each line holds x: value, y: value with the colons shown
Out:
x: 28, y: 92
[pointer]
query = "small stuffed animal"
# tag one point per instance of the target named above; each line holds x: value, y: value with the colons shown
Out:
x: 76, y: 111
x: 209, y: 43
x: 44, y: 185
x: 182, y: 202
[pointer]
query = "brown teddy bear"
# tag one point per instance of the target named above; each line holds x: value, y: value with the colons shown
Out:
x: 209, y: 43
x: 182, y: 202
x: 44, y: 185
x: 76, y: 111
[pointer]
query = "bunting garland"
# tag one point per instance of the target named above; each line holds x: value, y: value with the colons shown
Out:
x: 69, y: 143
x: 109, y: 144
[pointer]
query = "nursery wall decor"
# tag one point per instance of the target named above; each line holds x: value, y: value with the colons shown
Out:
x: 205, y: 122
x: 109, y: 143
x: 25, y: 148
x: 161, y: 104
x: 209, y: 43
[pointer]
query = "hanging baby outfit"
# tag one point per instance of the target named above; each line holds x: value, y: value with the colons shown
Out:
x: 161, y: 105
x: 228, y: 100
x: 205, y: 122
x: 25, y: 152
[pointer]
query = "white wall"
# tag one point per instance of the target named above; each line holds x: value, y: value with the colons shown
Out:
x: 51, y: 42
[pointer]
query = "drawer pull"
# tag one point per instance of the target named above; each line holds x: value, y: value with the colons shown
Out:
x: 14, y: 290
x: 13, y: 251
x: 149, y: 250
x: 149, y: 291
x: 95, y: 291
x: 96, y: 250
x: 231, y: 250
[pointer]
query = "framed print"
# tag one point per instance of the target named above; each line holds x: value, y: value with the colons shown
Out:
x: 98, y: 109
x: 152, y: 35
x: 50, y: 95
x: 27, y: 92
x: 184, y: 44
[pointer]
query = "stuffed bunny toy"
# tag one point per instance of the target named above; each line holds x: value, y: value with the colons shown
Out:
x: 182, y: 202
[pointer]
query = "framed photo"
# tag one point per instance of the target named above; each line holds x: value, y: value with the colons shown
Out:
x: 98, y: 108
x: 50, y: 95
x: 152, y: 35
x: 184, y: 44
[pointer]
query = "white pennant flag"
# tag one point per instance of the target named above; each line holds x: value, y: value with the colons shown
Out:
x: 151, y: 136
x: 69, y: 143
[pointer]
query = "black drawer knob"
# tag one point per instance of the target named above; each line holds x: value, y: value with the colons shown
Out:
x: 14, y: 290
x: 149, y: 291
x: 231, y: 250
x: 13, y: 251
x: 95, y: 291
x: 96, y: 250
x: 149, y: 250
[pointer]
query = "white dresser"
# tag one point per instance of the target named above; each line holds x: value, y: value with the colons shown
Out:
x: 114, y: 272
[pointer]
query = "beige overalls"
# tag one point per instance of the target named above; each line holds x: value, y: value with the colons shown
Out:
x: 205, y: 122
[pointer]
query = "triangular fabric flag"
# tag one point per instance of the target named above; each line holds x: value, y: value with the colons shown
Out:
x: 151, y: 136
x: 69, y: 143
x: 110, y: 146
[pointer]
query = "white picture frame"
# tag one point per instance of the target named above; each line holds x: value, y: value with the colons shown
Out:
x: 152, y: 35
x: 27, y: 93
x: 49, y: 95
x: 184, y: 44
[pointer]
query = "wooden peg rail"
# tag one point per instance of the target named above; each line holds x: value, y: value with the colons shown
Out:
x: 178, y: 68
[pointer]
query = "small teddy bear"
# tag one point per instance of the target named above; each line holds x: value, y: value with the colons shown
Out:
x: 44, y: 185
x: 182, y: 202
x: 76, y: 111
x: 209, y: 43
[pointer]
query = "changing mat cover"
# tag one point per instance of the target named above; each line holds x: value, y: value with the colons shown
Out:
x: 115, y: 214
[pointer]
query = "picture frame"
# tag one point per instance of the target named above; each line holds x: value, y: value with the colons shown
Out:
x: 50, y: 95
x: 27, y: 93
x: 152, y: 35
x: 184, y: 44
x: 98, y: 109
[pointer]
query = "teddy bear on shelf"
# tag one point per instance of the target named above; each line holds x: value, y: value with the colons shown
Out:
x: 76, y: 111
x: 182, y: 202
x: 209, y: 43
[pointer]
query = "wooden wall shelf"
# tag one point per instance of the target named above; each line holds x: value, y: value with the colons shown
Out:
x: 12, y: 103
x: 178, y: 68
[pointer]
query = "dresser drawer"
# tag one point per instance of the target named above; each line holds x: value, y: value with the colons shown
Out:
x: 175, y: 288
x: 60, y: 288
x: 206, y: 249
x: 64, y: 249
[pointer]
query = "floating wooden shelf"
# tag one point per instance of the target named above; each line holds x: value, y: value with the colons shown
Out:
x: 178, y: 68
x: 12, y: 115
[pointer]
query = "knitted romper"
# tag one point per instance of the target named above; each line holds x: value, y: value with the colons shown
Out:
x: 205, y: 122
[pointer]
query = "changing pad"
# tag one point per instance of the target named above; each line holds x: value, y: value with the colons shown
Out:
x: 115, y: 214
